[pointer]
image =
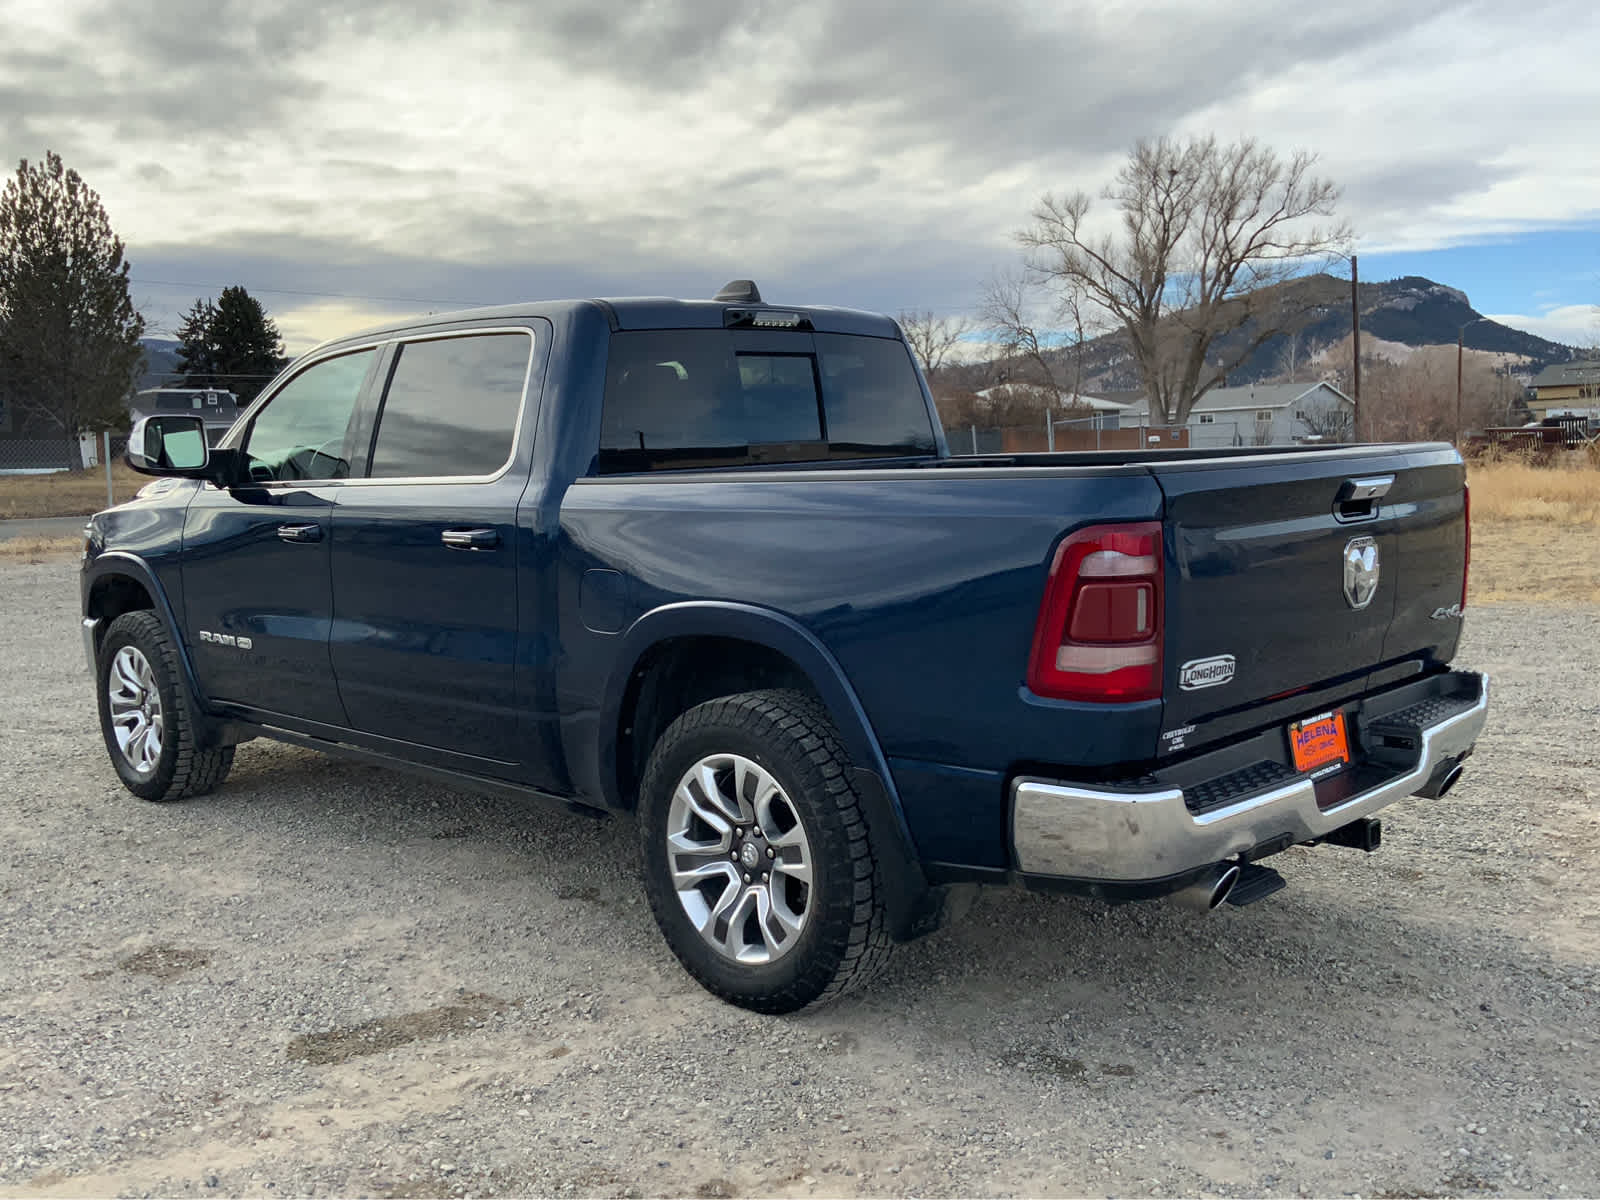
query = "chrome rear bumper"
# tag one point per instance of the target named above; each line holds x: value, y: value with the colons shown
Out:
x: 1132, y: 834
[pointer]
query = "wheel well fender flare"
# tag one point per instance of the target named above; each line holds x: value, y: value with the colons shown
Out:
x: 120, y: 562
x: 775, y: 631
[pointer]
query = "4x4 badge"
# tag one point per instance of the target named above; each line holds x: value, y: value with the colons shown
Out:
x: 1360, y: 571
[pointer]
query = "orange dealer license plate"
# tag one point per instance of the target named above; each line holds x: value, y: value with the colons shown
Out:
x: 1319, y: 742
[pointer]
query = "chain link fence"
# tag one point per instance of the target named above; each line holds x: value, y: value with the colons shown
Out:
x: 46, y: 455
x: 26, y: 456
x: 1105, y: 432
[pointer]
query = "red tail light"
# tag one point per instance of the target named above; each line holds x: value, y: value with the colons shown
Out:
x: 1466, y: 554
x: 1099, y: 632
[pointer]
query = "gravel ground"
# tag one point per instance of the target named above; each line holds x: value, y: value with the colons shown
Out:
x: 328, y: 979
x: 40, y: 527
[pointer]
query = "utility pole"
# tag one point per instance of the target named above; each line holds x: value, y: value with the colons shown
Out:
x: 1355, y: 353
x: 1460, y: 342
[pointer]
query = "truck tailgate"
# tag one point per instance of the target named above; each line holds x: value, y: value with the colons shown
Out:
x: 1304, y: 579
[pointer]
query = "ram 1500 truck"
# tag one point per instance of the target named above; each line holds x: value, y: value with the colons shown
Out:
x: 710, y: 564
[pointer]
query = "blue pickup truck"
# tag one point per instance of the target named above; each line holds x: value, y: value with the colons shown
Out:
x: 710, y: 565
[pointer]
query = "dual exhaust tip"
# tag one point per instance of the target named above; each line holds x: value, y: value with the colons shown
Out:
x: 1219, y: 880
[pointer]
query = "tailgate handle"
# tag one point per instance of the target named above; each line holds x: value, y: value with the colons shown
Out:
x: 1358, y: 498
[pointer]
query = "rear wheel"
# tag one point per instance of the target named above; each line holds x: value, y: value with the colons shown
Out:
x: 147, y: 714
x: 756, y: 856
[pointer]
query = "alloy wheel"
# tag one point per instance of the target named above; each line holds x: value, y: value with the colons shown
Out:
x: 741, y: 863
x: 136, y: 714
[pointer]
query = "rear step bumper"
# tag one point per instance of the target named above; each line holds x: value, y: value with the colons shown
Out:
x: 1408, y: 741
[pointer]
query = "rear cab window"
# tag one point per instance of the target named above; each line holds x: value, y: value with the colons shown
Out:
x: 686, y: 398
x: 452, y: 407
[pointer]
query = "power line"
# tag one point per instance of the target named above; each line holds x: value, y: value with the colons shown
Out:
x: 178, y: 283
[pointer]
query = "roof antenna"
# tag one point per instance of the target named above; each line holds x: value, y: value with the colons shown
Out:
x: 739, y: 291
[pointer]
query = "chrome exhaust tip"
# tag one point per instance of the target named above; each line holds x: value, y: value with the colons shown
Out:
x: 1442, y: 781
x: 1211, y: 890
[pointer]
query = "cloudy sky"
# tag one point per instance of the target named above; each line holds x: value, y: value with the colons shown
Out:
x: 350, y: 161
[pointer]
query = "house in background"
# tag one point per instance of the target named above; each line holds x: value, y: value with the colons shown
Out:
x: 215, y: 407
x: 1263, y: 414
x: 1566, y: 389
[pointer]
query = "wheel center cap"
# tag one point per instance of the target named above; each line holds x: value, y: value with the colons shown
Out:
x: 750, y: 856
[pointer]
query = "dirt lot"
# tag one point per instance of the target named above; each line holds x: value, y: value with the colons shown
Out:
x: 327, y: 979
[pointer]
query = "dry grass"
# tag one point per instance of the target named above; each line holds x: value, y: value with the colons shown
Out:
x: 66, y: 493
x: 1568, y: 494
x: 37, y: 549
x: 1535, y: 534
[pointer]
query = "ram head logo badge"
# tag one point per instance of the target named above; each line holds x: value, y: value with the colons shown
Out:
x: 1360, y: 571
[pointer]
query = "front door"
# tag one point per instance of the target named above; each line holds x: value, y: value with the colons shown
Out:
x: 425, y: 554
x: 257, y: 585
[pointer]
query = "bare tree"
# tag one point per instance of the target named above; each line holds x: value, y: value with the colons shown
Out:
x: 1009, y: 310
x: 1207, y: 232
x: 933, y: 338
x: 1415, y: 400
x: 1331, y: 422
x: 1290, y: 358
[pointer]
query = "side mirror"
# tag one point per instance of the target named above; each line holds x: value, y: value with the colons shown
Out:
x: 175, y: 444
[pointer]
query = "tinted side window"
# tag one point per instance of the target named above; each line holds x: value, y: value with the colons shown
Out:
x: 301, y: 433
x: 452, y: 407
x: 691, y: 398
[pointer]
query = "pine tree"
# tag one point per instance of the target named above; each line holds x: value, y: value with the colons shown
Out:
x: 197, y: 351
x: 69, y: 334
x: 245, y: 343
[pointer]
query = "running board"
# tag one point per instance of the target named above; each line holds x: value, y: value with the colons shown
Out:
x: 461, y: 781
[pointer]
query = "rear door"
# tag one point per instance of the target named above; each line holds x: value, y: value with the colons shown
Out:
x: 256, y: 584
x: 1289, y: 575
x: 425, y: 552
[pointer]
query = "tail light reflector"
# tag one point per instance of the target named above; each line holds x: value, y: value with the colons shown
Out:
x: 1466, y: 555
x: 1098, y: 637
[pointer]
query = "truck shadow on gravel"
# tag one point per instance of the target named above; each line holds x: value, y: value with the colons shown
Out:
x: 1019, y: 969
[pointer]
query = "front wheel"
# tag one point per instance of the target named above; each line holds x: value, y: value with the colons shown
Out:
x: 756, y: 856
x: 146, y: 715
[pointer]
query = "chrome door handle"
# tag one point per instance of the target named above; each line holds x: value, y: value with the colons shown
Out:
x: 299, y: 533
x: 471, y: 539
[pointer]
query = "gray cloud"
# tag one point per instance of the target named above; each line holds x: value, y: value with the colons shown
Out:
x: 860, y: 153
x: 986, y: 81
x: 1425, y: 180
x: 196, y: 67
x: 291, y: 271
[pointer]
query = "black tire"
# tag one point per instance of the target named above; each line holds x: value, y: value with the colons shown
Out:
x: 843, y: 941
x: 181, y: 768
